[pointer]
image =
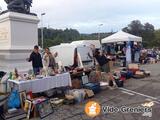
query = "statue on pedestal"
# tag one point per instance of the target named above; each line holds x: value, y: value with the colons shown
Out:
x: 21, y: 6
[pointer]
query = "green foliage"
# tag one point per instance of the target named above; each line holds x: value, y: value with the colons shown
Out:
x: 54, y: 36
x: 94, y: 36
x: 156, y: 41
x: 146, y: 31
x: 151, y: 37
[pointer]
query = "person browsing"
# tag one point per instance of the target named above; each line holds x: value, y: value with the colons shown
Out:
x: 36, y: 60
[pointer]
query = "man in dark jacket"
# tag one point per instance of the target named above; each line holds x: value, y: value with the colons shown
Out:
x: 36, y: 59
x: 102, y: 61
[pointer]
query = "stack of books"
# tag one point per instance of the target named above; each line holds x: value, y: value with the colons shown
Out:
x: 17, y: 114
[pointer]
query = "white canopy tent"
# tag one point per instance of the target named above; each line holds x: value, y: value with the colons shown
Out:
x: 96, y: 43
x: 121, y: 37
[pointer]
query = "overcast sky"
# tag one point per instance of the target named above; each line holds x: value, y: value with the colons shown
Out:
x: 86, y: 15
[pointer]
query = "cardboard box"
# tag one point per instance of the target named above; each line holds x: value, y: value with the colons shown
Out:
x: 69, y: 97
x: 79, y: 94
x: 139, y: 73
x: 89, y: 93
x: 76, y: 84
x: 133, y: 66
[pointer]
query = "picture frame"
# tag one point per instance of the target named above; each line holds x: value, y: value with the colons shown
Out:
x: 23, y: 97
x: 27, y: 107
x: 44, y: 108
x: 85, y: 79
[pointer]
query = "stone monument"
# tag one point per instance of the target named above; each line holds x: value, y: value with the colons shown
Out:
x: 18, y: 35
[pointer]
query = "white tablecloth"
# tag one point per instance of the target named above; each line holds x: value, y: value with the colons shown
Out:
x: 41, y: 85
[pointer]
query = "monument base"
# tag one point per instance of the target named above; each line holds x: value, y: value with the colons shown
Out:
x: 18, y: 35
x: 11, y: 59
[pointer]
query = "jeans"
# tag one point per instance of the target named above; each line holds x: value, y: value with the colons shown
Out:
x: 36, y: 71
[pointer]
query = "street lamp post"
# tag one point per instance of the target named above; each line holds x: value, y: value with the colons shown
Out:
x: 99, y: 34
x: 42, y: 37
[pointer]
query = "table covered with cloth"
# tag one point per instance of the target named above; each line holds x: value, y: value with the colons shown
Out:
x: 41, y: 85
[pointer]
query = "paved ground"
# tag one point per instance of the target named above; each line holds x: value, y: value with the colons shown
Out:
x: 135, y: 92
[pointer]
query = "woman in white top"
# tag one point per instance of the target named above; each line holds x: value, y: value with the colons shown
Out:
x: 49, y: 62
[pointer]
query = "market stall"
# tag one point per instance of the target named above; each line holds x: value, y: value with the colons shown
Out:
x: 30, y: 105
x: 75, y: 69
x: 123, y: 43
x: 121, y: 37
x: 90, y: 43
x: 42, y: 84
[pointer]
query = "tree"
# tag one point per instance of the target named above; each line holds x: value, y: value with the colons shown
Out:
x: 57, y: 36
x: 148, y: 34
x: 145, y: 31
x: 156, y: 41
x: 135, y: 28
